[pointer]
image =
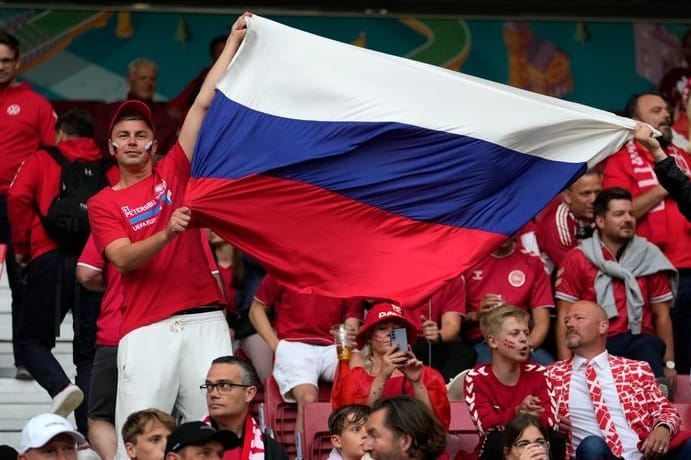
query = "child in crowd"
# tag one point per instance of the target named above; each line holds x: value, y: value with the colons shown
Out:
x: 348, y: 432
x: 145, y: 433
x: 510, y: 385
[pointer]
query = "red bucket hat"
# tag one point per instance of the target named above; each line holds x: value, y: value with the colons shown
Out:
x: 132, y: 107
x: 380, y: 313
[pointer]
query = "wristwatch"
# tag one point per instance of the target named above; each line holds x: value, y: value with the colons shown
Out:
x: 670, y: 364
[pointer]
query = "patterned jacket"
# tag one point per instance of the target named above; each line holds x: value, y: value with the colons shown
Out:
x: 643, y: 404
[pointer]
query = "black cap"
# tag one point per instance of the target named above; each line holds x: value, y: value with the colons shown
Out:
x: 198, y: 434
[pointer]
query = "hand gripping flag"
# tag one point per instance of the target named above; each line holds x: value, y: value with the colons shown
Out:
x: 349, y: 172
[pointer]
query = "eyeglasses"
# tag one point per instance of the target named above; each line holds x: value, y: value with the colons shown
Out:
x: 525, y: 443
x: 222, y: 387
x: 7, y: 61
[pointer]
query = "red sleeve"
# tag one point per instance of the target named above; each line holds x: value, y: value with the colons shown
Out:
x: 479, y: 396
x: 541, y: 291
x: 438, y: 395
x: 47, y: 118
x: 543, y: 390
x: 452, y: 296
x: 90, y: 255
x: 269, y: 291
x: 616, y: 173
x: 659, y: 287
x: 568, y: 286
x: 106, y: 224
x: 355, y: 308
x: 175, y: 164
x: 20, y: 207
x: 213, y: 268
x: 554, y: 240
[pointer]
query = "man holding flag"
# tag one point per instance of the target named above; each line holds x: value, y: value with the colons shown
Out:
x: 172, y: 323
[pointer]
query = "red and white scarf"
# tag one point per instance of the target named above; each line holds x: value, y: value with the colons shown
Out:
x: 253, y: 441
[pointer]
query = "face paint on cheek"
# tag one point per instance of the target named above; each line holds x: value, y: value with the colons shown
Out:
x: 509, y: 343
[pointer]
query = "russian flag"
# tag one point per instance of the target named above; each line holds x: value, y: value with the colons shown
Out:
x: 349, y: 172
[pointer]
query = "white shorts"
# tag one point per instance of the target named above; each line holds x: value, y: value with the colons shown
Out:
x: 300, y: 363
x: 162, y: 365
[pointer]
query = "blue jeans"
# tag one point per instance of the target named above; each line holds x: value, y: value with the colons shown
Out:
x: 595, y: 448
x: 484, y: 356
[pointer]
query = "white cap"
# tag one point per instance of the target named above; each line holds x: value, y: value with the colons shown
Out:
x: 42, y: 428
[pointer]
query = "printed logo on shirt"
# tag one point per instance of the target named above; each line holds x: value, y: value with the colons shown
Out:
x: 516, y: 278
x: 477, y: 275
x: 147, y: 214
x: 13, y: 109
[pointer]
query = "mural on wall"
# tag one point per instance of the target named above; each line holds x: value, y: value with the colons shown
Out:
x: 84, y: 54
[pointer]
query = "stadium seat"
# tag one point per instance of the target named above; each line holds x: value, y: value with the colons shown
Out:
x: 682, y: 389
x: 317, y: 439
x: 455, y: 387
x: 463, y: 436
x: 685, y: 412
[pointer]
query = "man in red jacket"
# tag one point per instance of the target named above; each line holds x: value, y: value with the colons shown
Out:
x: 26, y: 120
x: 51, y: 287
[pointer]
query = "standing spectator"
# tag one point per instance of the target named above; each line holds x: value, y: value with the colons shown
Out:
x: 49, y: 436
x: 51, y: 286
x: 657, y: 215
x: 571, y: 221
x: 95, y: 274
x: 380, y: 369
x: 172, y: 302
x: 230, y: 388
x: 610, y: 407
x: 439, y: 330
x: 303, y: 345
x: 26, y: 121
x: 403, y: 428
x: 510, y: 276
x: 630, y: 278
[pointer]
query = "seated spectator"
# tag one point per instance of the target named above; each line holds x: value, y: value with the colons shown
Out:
x: 381, y: 370
x: 348, y: 428
x: 565, y: 225
x: 197, y: 440
x: 671, y: 88
x: 610, y: 407
x: 524, y: 438
x: 402, y: 427
x: 630, y: 277
x: 47, y: 436
x: 303, y: 345
x: 141, y: 86
x: 230, y: 387
x: 439, y: 331
x: 145, y: 433
x: 510, y: 385
x: 509, y: 276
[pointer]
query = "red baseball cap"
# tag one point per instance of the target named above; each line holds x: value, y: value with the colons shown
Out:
x: 132, y: 107
x: 381, y: 312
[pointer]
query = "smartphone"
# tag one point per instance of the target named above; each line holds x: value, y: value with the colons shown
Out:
x: 399, y: 337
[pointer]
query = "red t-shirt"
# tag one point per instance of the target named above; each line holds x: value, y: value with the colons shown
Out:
x: 230, y: 292
x: 450, y: 298
x: 576, y: 281
x: 619, y: 173
x: 38, y: 181
x: 305, y: 317
x: 493, y: 404
x: 557, y: 233
x: 520, y: 278
x: 110, y: 319
x: 178, y: 277
x: 27, y: 120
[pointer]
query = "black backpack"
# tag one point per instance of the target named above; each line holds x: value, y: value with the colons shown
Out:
x: 67, y: 220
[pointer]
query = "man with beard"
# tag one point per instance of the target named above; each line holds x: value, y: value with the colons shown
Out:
x: 609, y: 407
x: 659, y: 219
x: 629, y: 277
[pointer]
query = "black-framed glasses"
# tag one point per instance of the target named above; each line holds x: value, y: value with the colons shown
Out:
x: 7, y: 61
x: 222, y: 387
x: 525, y: 443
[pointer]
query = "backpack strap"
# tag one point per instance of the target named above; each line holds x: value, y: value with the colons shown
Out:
x: 57, y: 155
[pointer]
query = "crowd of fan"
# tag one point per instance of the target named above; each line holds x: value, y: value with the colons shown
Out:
x: 600, y: 280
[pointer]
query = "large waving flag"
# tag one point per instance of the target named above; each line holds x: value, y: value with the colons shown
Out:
x: 349, y: 172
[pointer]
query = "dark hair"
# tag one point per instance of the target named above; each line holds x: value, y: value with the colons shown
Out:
x: 352, y: 413
x: 215, y: 41
x: 76, y: 123
x: 249, y: 375
x: 631, y: 109
x: 516, y: 427
x: 601, y: 204
x: 10, y: 41
x: 409, y: 416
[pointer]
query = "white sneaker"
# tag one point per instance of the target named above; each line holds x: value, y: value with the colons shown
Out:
x: 67, y: 400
